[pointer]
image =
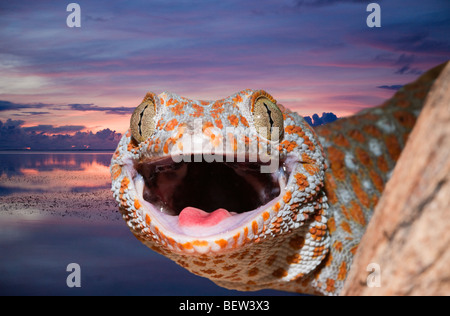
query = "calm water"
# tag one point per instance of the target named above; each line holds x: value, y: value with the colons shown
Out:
x: 56, y: 209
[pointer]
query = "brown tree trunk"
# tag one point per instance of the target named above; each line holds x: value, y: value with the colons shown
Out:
x: 406, y: 248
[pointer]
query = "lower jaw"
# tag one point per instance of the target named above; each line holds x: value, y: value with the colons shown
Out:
x: 171, y: 223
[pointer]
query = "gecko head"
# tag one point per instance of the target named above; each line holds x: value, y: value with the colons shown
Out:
x: 198, y: 177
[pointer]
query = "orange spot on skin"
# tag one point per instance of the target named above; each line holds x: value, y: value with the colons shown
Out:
x: 147, y: 219
x: 337, y: 164
x: 237, y: 99
x: 309, y: 143
x: 276, y: 207
x: 382, y: 164
x: 393, y: 147
x: 318, y: 251
x: 157, y: 145
x: 294, y: 206
x: 301, y: 181
x: 330, y: 188
x: 338, y: 246
x: 236, y: 239
x: 222, y: 243
x: 124, y: 184
x: 171, y: 102
x: 200, y: 243
x: 363, y: 157
x: 252, y: 272
x: 232, y: 142
x: 293, y: 129
x: 307, y: 160
x: 359, y: 192
x: 372, y: 130
x: 160, y: 124
x: 137, y: 205
x: 357, y: 135
x: 198, y: 110
x: 218, y: 105
x: 178, y: 109
x: 245, y: 233
x: 229, y: 267
x: 329, y: 260
x: 217, y: 109
x: 289, y: 145
x: 330, y: 285
x: 346, y: 227
x: 280, y: 273
x: 116, y: 170
x: 331, y: 225
x: 233, y: 120
x: 255, y: 227
x: 219, y: 123
x: 357, y: 213
x: 207, y: 126
x: 340, y: 140
x: 244, y: 121
x: 345, y: 212
x: 342, y: 271
x: 287, y: 197
x: 377, y: 180
x: 167, y: 144
x: 199, y: 263
x: 132, y: 145
x: 171, y: 125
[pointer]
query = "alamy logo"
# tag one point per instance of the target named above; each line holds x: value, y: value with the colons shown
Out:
x: 230, y: 144
x: 374, y: 277
x: 74, y: 18
x: 374, y: 18
x: 74, y: 278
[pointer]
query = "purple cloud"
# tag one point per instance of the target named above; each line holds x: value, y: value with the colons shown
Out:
x: 107, y: 109
x: 392, y: 87
x: 15, y: 137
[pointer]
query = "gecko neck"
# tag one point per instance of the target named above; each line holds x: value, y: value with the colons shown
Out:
x: 361, y: 153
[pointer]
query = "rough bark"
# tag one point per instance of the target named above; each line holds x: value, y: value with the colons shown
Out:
x: 408, y: 237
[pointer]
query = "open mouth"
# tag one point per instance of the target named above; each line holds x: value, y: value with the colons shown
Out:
x: 201, y: 198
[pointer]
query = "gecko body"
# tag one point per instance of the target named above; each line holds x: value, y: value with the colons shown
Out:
x: 244, y: 192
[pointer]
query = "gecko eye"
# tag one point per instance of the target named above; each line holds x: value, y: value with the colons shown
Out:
x: 142, y: 123
x: 267, y: 116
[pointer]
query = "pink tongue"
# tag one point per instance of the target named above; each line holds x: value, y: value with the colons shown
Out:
x: 191, y: 216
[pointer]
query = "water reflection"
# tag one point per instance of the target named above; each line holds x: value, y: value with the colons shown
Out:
x: 13, y: 163
x: 46, y: 223
x: 53, y: 172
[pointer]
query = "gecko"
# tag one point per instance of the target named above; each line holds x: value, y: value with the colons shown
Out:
x: 246, y: 193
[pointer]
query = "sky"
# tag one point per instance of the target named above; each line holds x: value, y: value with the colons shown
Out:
x: 313, y: 56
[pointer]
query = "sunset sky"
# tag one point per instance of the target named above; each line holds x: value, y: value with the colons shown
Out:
x: 313, y: 56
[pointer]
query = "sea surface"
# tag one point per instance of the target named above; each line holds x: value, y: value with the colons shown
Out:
x: 57, y: 209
